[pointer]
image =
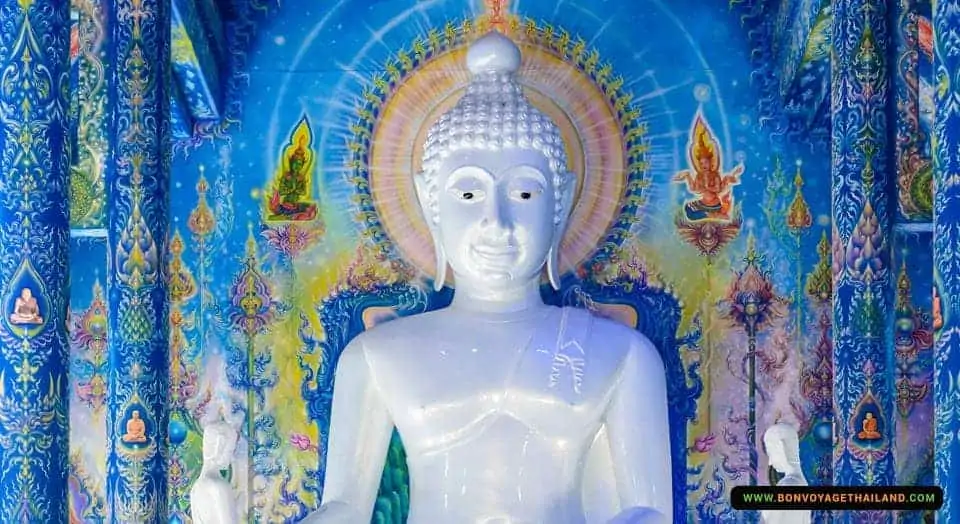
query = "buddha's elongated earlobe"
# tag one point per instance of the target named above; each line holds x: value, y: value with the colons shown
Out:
x: 553, y: 263
x: 564, y: 210
x: 421, y: 183
x: 441, y: 276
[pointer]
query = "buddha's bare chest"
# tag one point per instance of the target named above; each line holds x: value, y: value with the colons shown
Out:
x: 457, y: 383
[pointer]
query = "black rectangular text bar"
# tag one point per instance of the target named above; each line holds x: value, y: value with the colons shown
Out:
x: 837, y: 497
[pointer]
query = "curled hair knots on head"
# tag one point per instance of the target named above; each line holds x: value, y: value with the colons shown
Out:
x: 494, y: 115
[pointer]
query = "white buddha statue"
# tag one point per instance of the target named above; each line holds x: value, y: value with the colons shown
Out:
x: 212, y: 498
x: 511, y: 411
x: 783, y: 450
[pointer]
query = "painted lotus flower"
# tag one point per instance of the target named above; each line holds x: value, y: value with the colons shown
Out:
x: 865, y: 245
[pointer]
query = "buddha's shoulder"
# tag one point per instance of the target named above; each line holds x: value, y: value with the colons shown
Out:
x: 618, y: 338
x: 400, y: 329
x: 611, y: 330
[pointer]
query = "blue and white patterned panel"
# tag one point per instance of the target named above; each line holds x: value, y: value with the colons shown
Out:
x: 946, y: 216
x: 34, y: 252
x: 863, y: 392
x: 138, y: 181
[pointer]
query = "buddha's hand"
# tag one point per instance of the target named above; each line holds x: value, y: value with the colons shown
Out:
x: 333, y: 513
x: 640, y: 516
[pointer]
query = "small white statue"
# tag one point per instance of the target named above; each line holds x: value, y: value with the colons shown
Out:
x: 212, y: 498
x: 511, y: 411
x: 783, y: 449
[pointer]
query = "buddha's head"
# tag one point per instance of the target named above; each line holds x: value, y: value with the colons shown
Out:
x: 782, y: 445
x: 219, y: 444
x: 495, y: 190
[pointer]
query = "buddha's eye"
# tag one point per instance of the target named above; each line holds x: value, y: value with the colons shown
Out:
x: 468, y: 195
x: 524, y: 194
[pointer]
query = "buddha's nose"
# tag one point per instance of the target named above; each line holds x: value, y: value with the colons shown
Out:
x: 497, y: 217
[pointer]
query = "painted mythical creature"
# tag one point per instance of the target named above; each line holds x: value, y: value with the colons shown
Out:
x: 290, y: 200
x: 711, y: 188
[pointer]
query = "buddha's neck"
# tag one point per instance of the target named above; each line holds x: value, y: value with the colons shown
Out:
x: 476, y: 297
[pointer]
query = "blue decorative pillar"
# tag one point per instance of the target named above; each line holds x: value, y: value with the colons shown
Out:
x: 862, y: 303
x: 34, y: 247
x: 138, y: 180
x: 946, y: 239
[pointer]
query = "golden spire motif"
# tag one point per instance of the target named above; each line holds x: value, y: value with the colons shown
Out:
x: 903, y: 290
x: 182, y: 285
x: 820, y: 281
x: 798, y: 216
x: 201, y: 221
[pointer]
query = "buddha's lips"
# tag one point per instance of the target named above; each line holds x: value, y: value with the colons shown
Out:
x: 496, y: 253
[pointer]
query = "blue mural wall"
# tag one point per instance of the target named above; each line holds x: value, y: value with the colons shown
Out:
x: 916, y: 319
x: 89, y: 371
x: 269, y: 280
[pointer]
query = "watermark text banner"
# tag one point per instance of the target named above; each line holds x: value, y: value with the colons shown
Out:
x: 837, y: 497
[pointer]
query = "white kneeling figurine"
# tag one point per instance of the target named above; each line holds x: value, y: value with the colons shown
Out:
x: 212, y: 499
x: 510, y: 410
x: 783, y: 449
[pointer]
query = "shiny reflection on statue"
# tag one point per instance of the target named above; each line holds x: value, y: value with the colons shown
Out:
x: 212, y: 498
x: 511, y: 411
x: 25, y: 309
x: 136, y: 429
x: 782, y: 445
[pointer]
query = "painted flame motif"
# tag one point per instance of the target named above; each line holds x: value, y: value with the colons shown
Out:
x: 703, y: 145
x: 296, y: 167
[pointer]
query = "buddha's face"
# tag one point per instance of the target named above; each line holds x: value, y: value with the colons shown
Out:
x: 496, y: 214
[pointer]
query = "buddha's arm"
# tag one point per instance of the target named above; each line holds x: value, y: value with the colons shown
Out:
x: 639, y: 433
x: 360, y: 430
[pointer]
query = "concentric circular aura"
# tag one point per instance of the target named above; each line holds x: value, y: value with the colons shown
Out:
x: 556, y: 84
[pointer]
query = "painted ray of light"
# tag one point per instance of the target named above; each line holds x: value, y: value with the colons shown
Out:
x: 330, y: 189
x: 275, y: 126
x: 662, y: 91
x: 599, y: 33
x: 708, y: 71
x: 340, y: 90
